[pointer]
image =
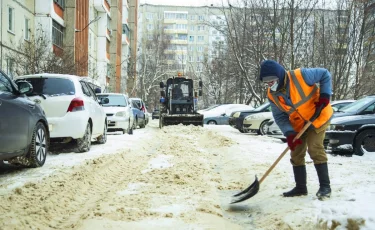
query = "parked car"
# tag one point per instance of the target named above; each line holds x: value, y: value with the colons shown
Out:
x: 220, y: 114
x: 237, y: 119
x: 155, y: 114
x: 274, y: 130
x: 351, y: 134
x: 138, y: 109
x: 362, y: 106
x: 71, y: 107
x: 257, y: 122
x: 24, y: 133
x: 208, y: 108
x: 119, y: 112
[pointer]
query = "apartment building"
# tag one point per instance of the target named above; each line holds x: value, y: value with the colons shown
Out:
x: 17, y: 25
x: 92, y: 29
x: 192, y: 39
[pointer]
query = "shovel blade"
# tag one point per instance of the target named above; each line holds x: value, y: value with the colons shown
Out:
x: 249, y: 192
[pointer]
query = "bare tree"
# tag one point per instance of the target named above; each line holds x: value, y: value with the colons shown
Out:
x: 36, y: 56
x: 153, y: 64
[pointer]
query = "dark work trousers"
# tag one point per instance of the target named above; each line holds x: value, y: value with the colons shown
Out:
x: 312, y: 142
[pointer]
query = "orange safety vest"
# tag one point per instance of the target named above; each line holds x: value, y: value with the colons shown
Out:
x: 303, y: 98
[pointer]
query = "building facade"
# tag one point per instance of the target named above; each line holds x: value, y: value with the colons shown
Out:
x: 193, y: 39
x: 91, y: 29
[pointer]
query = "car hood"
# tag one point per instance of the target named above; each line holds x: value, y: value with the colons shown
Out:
x: 357, y: 119
x: 113, y: 109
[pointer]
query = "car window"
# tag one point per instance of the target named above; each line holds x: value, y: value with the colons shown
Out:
x: 370, y: 109
x: 5, y: 84
x: 114, y: 100
x: 355, y: 106
x: 262, y: 107
x: 85, y: 89
x: 51, y: 86
x: 92, y: 92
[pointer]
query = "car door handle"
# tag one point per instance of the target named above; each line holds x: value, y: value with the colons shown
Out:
x: 31, y: 106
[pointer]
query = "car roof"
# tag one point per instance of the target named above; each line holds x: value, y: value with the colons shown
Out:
x: 111, y: 94
x: 51, y: 75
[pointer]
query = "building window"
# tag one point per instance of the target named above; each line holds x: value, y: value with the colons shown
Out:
x: 149, y: 16
x: 27, y: 29
x: 191, y: 38
x: 57, y: 34
x: 200, y: 38
x: 10, y: 67
x: 192, y: 28
x: 192, y: 17
x: 61, y: 3
x: 200, y: 18
x: 191, y: 59
x: 11, y: 19
x: 150, y: 27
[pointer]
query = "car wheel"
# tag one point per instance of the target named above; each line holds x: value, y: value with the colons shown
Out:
x: 143, y: 124
x: 130, y: 129
x: 135, y: 123
x: 211, y: 122
x: 39, y: 146
x: 263, y: 128
x: 84, y: 143
x: 365, y: 142
x: 102, y: 139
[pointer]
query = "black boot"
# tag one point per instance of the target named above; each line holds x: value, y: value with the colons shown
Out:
x: 325, y: 188
x: 300, y: 178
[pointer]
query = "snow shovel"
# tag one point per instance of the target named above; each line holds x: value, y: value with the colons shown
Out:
x: 253, y: 189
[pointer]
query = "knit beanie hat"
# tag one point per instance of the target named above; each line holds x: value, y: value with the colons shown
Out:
x: 270, y: 70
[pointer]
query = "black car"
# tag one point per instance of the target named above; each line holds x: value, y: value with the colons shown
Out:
x: 236, y: 118
x: 24, y: 133
x: 351, y: 134
x: 155, y: 114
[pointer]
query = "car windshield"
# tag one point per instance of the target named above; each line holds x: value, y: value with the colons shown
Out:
x: 114, y: 100
x: 355, y: 106
x: 261, y: 107
x: 51, y: 86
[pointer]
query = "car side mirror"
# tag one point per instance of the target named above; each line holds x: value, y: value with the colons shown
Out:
x: 24, y: 87
x: 334, y: 109
x: 98, y: 90
x: 223, y: 114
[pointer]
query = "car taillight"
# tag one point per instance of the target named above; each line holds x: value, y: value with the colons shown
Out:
x: 76, y: 105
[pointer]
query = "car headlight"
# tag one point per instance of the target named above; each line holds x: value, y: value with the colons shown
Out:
x: 336, y: 127
x: 252, y: 117
x: 120, y: 114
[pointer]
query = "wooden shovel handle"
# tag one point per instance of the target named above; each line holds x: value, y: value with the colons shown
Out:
x: 307, y: 125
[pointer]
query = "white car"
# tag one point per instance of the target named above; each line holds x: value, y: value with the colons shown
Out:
x: 257, y: 122
x: 71, y: 107
x: 119, y: 112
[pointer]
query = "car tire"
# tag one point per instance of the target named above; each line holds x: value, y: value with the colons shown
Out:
x: 135, y: 123
x: 130, y: 129
x: 102, y: 139
x: 263, y: 126
x: 367, y: 136
x: 39, y: 146
x: 143, y: 124
x: 211, y: 122
x: 84, y: 143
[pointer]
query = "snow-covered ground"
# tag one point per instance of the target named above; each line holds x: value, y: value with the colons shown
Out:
x: 182, y: 177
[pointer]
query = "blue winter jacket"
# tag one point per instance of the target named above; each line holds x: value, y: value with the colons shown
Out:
x: 311, y: 77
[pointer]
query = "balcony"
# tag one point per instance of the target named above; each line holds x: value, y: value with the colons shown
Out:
x: 175, y: 31
x: 102, y: 6
x: 125, y: 39
x: 175, y: 21
x: 179, y: 42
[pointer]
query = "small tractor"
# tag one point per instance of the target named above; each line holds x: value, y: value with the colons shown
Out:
x: 178, y: 102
